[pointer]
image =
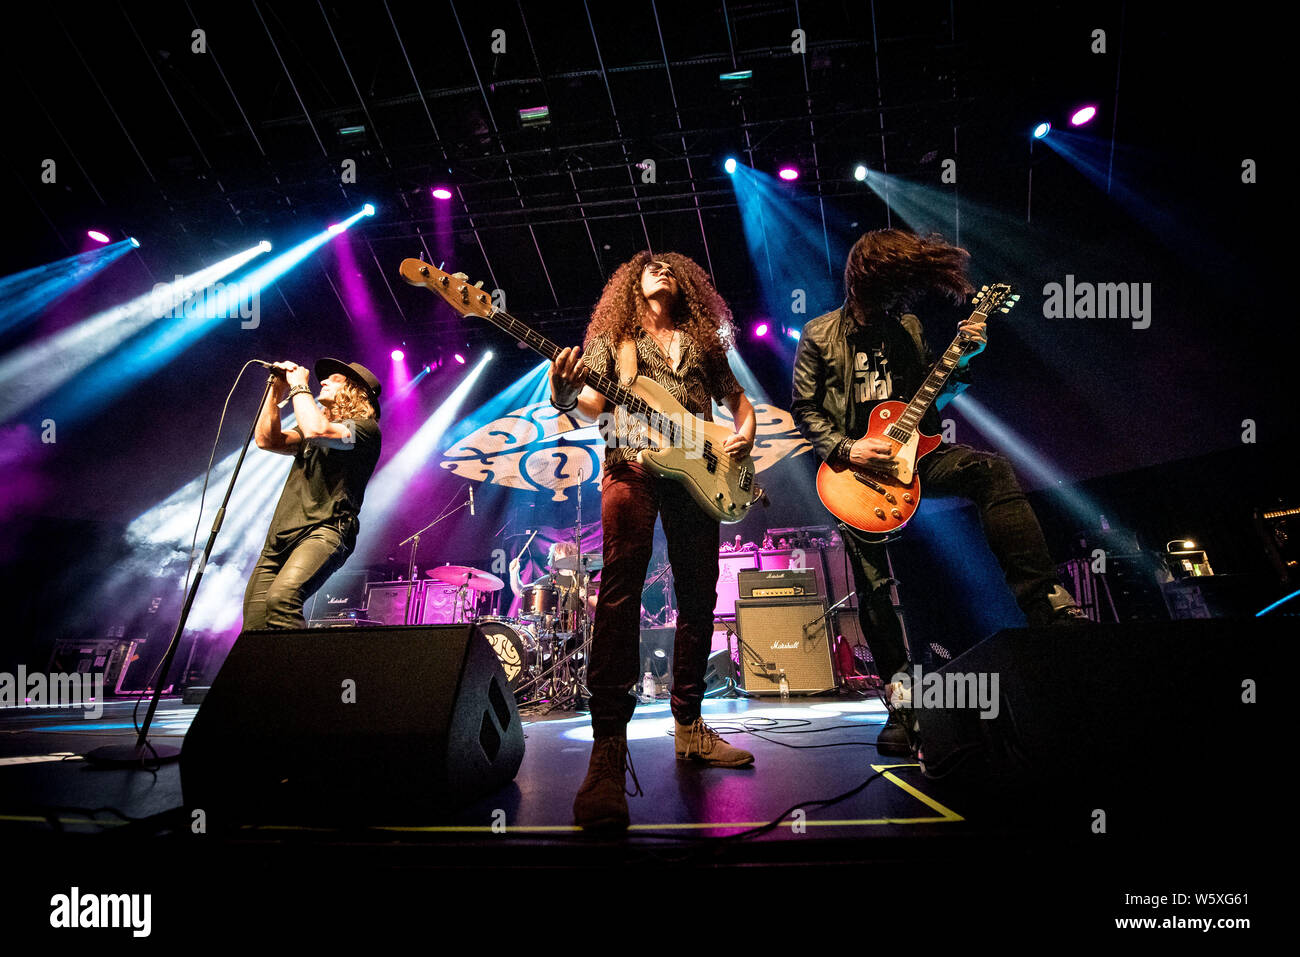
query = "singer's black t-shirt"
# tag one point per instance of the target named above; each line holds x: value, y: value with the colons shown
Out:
x: 326, y: 486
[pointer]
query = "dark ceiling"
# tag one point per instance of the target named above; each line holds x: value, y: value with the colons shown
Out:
x: 201, y: 151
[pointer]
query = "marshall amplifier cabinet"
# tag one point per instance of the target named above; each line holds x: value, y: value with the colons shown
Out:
x: 386, y: 602
x: 781, y: 635
x: 342, y: 592
x: 779, y: 583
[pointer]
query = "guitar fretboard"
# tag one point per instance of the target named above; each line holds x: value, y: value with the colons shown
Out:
x: 609, y: 388
x: 902, y: 430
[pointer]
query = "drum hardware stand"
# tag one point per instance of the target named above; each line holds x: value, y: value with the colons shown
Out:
x: 415, y: 543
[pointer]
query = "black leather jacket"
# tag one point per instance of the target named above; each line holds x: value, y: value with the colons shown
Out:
x: 823, y: 368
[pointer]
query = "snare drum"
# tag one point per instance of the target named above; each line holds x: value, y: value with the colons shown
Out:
x: 515, y: 644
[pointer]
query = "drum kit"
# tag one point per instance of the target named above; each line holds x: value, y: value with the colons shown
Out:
x: 543, y: 650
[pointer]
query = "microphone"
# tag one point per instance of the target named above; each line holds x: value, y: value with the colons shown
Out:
x: 471, y: 500
x: 269, y: 365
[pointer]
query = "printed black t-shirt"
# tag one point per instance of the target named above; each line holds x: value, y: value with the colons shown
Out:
x: 327, y: 484
x: 886, y: 365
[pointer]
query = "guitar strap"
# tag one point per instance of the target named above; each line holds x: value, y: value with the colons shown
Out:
x: 913, y: 326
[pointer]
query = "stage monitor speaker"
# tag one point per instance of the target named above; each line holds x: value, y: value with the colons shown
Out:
x: 773, y: 638
x: 363, y: 726
x: 1151, y: 713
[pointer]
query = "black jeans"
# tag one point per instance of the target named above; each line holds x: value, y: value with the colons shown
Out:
x: 631, y: 497
x: 1010, y: 527
x: 291, y: 571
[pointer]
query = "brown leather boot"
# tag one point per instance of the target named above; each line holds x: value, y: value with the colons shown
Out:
x: 602, y: 799
x: 700, y: 743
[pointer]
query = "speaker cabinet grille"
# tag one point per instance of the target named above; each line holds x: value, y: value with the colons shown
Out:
x: 773, y: 639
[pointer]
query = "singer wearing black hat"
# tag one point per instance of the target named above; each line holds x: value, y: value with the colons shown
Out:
x: 335, y: 445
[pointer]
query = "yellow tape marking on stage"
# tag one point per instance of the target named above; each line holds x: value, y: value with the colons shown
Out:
x: 948, y: 815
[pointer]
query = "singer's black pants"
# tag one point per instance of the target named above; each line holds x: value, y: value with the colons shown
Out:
x: 291, y: 570
x: 1010, y: 527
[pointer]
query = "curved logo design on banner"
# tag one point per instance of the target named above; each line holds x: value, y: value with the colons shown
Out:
x: 537, y: 449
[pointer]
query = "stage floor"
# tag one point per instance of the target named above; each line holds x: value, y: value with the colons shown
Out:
x: 820, y: 811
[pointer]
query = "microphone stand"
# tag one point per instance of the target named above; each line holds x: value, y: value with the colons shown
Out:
x: 125, y: 755
x: 410, y: 567
x: 829, y: 611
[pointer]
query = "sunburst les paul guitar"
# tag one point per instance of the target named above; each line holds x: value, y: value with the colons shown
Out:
x: 677, y: 444
x: 879, y: 500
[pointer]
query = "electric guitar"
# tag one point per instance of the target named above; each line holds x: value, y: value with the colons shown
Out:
x: 678, y: 444
x: 880, y: 499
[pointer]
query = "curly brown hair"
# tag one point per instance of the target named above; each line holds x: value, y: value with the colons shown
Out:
x: 890, y: 269
x: 350, y: 402
x: 698, y: 310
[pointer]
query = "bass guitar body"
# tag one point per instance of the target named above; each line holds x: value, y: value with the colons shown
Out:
x: 722, y: 486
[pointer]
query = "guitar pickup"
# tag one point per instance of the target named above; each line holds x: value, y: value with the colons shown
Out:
x: 746, y: 480
x: 874, y: 486
x: 710, y: 458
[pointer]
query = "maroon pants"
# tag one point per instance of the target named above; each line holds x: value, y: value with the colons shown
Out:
x: 631, y: 497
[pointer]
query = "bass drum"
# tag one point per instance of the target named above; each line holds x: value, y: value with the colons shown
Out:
x: 515, y: 644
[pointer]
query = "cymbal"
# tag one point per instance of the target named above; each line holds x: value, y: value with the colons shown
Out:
x: 464, y: 575
x: 590, y: 561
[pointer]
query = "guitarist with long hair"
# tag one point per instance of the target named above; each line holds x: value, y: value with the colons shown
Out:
x: 871, y: 350
x: 659, y: 317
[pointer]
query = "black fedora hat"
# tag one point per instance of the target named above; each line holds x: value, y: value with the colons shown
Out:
x: 356, y: 372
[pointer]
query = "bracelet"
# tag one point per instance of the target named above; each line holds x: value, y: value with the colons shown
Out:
x: 564, y: 408
x: 298, y: 390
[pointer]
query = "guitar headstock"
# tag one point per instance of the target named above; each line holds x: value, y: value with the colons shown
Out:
x: 455, y: 288
x: 998, y: 296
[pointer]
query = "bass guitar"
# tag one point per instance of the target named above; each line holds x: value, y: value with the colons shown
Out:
x: 677, y: 444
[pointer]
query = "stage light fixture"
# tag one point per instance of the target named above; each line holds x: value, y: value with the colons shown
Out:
x: 97, y: 236
x: 368, y: 209
x: 761, y: 329
x: 859, y: 172
x: 729, y: 164
x: 134, y: 242
x: 441, y: 192
x: 788, y: 173
x: 398, y: 355
x: 1083, y: 115
x: 459, y: 358
x: 1042, y: 129
x: 535, y: 116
